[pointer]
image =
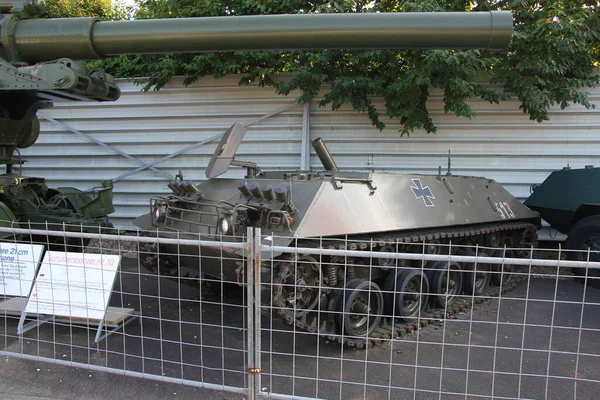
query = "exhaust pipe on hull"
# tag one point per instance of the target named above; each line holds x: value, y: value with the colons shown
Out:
x: 324, y: 155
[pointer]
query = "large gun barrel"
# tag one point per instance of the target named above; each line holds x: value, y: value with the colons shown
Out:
x: 35, y: 40
x: 38, y: 57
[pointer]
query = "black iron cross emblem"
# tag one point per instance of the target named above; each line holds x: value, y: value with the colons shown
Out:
x: 422, y: 192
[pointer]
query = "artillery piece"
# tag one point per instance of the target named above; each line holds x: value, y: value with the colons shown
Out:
x: 25, y: 89
x: 370, y: 209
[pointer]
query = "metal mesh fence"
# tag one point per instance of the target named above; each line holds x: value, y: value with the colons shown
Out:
x: 440, y: 322
x: 319, y: 318
x: 161, y: 323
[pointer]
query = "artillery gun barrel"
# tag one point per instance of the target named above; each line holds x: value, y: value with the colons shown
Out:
x: 38, y: 40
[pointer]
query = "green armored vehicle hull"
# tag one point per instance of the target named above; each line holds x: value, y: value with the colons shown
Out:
x: 402, y: 208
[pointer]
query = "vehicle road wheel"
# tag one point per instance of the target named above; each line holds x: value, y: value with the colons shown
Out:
x: 406, y: 293
x: 477, y: 276
x: 359, y: 307
x: 446, y: 283
x: 504, y: 273
x: 430, y: 268
x: 584, y: 236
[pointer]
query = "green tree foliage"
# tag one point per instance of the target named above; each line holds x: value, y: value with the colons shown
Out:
x: 104, y: 9
x: 554, y: 53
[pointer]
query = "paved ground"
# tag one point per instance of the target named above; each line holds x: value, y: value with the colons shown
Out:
x: 37, y: 380
x: 208, y: 346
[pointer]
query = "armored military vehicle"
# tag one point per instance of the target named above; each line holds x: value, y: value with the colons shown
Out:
x: 355, y: 210
x: 569, y: 200
x: 381, y: 212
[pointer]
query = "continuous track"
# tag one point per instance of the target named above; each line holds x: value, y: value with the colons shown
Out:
x: 320, y: 318
x: 321, y: 321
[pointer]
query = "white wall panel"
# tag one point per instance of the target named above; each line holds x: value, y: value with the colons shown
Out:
x: 500, y: 143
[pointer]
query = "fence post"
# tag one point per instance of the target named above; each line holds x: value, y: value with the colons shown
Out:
x: 257, y: 312
x: 250, y: 311
x: 253, y: 262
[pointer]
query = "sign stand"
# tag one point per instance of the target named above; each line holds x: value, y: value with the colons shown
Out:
x: 125, y: 321
x: 116, y: 319
x: 24, y: 328
x: 76, y: 288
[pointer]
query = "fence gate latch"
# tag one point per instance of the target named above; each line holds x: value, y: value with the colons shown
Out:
x: 254, y: 371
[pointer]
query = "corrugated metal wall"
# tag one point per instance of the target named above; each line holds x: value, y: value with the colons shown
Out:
x: 501, y: 143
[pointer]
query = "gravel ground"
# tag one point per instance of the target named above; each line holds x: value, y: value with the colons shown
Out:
x: 128, y: 249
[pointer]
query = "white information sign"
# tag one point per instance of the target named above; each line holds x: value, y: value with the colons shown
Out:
x: 73, y: 285
x: 18, y: 262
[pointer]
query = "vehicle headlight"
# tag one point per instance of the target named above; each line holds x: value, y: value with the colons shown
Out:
x: 225, y: 226
x: 159, y: 212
